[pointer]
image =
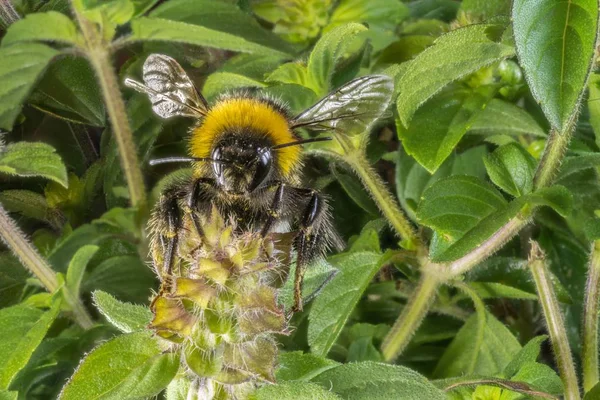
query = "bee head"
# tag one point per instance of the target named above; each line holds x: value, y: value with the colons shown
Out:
x: 241, y: 165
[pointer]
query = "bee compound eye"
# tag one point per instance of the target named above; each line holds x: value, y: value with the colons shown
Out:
x: 264, y: 160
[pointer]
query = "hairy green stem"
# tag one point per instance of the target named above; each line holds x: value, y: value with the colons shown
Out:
x: 554, y: 322
x: 411, y: 317
x: 15, y: 239
x: 100, y: 59
x: 555, y: 149
x: 8, y: 14
x: 589, y: 349
x: 383, y: 198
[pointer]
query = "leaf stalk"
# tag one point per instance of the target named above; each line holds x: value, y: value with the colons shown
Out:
x: 554, y: 322
x: 22, y: 248
x: 100, y: 58
x: 589, y: 349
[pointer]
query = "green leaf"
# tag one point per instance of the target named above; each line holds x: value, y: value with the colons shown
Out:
x: 593, y: 394
x: 335, y: 303
x: 126, y: 317
x: 22, y: 329
x: 412, y: 179
x: 6, y: 395
x: 327, y: 53
x: 512, y: 169
x: 108, y: 14
x: 29, y: 204
x: 463, y: 51
x: 13, y: 279
x: 223, y: 17
x: 49, y: 26
x: 292, y: 72
x: 33, y: 159
x: 484, y: 347
x: 377, y: 381
x: 21, y: 66
x: 485, y: 9
x: 294, y: 391
x: 438, y: 126
x: 158, y: 29
x: 69, y: 90
x: 528, y: 354
x: 503, y: 118
x: 555, y: 45
x: 298, y: 366
x: 219, y: 82
x: 126, y: 367
x: 455, y: 205
x: 77, y: 267
x: 538, y: 376
x: 464, y: 212
x: 178, y: 388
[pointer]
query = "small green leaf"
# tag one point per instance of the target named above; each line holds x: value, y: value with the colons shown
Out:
x: 555, y: 45
x: 22, y: 329
x: 327, y: 53
x: 529, y: 353
x: 294, y: 391
x: 377, y: 14
x: 108, y: 14
x: 33, y: 159
x: 377, y: 381
x: 126, y: 317
x: 353, y: 187
x: 13, y: 279
x: 77, y: 266
x: 335, y: 303
x: 455, y: 205
x: 298, y: 366
x: 594, y: 393
x: 482, y: 348
x: 219, y: 82
x: 49, y: 26
x: 21, y: 66
x: 6, y: 395
x: 463, y: 51
x: 512, y: 169
x: 503, y: 118
x: 178, y: 388
x: 292, y: 72
x: 438, y: 126
x: 69, y: 90
x: 540, y: 377
x: 27, y: 203
x: 158, y: 29
x: 223, y: 17
x: 126, y: 367
x: 485, y: 9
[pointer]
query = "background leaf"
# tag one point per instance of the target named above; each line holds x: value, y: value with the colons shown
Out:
x: 22, y: 329
x: 128, y: 366
x: 294, y: 391
x: 555, y: 44
x: 464, y: 51
x: 126, y: 317
x: 50, y: 26
x: 512, y: 169
x: 33, y: 159
x: 21, y: 66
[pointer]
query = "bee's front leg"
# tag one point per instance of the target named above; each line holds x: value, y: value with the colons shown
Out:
x: 168, y: 223
x: 199, y: 196
x: 275, y: 208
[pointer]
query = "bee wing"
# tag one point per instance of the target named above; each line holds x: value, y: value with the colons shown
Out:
x: 351, y: 109
x: 168, y: 87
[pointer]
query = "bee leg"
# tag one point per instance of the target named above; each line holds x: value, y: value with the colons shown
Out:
x: 172, y: 213
x: 274, y: 210
x: 195, y: 198
x: 306, y: 242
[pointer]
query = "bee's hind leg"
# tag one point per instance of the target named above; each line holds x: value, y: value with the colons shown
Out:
x: 169, y: 214
x: 310, y: 241
x: 197, y: 198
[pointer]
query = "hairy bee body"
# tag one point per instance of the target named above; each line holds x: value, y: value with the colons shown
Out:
x: 247, y: 160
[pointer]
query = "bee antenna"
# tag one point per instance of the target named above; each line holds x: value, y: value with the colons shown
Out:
x: 302, y: 141
x: 184, y: 159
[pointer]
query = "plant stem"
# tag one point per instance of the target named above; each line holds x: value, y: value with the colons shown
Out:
x: 383, y: 198
x: 412, y: 315
x: 554, y: 322
x: 8, y: 14
x: 555, y: 149
x: 99, y: 56
x: 32, y: 260
x: 589, y: 349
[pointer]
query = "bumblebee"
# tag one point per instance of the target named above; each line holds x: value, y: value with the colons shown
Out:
x: 246, y: 157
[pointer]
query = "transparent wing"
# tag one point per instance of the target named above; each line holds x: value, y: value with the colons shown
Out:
x: 170, y: 90
x: 351, y: 109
